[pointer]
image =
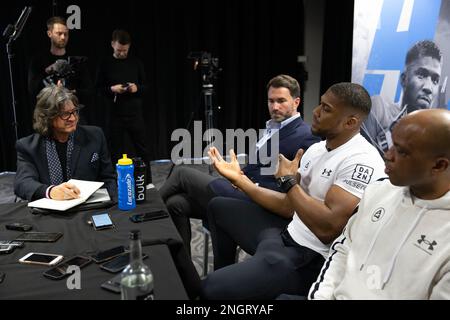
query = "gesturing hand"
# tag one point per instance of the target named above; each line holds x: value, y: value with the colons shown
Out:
x: 230, y: 170
x: 286, y: 167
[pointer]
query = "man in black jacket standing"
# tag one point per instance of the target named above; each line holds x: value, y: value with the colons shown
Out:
x: 59, y: 68
x: 121, y: 79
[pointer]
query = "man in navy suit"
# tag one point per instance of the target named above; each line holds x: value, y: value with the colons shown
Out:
x: 60, y: 150
x: 188, y: 191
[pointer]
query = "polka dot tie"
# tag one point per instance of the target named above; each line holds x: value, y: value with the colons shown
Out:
x: 54, y: 164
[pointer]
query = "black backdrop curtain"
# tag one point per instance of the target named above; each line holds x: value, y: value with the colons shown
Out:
x: 337, y: 43
x: 253, y: 40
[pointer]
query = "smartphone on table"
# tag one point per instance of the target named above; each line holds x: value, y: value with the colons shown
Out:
x: 114, y: 284
x: 8, y: 246
x: 12, y: 243
x: 108, y: 254
x: 17, y: 226
x: 6, y: 249
x: 102, y: 221
x: 39, y: 236
x: 118, y: 263
x: 148, y: 216
x: 45, y: 259
x: 60, y: 270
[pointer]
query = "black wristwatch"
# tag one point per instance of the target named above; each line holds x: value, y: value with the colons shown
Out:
x: 286, y: 183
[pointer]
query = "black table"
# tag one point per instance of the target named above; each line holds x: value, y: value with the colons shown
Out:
x: 175, y: 276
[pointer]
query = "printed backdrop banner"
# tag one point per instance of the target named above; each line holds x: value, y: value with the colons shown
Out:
x: 384, y: 31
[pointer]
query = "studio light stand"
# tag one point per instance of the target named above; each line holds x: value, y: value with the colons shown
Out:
x: 13, y: 33
x: 209, y: 68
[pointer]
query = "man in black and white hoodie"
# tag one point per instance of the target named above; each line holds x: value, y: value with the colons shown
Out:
x: 398, y: 244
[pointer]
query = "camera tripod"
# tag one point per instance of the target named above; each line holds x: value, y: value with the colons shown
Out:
x: 209, y: 68
x: 208, y: 92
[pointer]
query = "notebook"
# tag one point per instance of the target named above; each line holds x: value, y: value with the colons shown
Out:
x: 87, y: 188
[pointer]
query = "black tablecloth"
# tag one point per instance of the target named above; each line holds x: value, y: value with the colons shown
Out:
x: 174, y: 274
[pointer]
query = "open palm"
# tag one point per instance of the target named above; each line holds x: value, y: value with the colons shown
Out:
x: 230, y: 170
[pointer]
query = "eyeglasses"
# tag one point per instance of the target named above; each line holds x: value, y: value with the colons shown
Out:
x: 65, y: 115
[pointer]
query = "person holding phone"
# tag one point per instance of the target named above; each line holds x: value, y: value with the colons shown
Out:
x: 121, y: 79
x: 61, y: 150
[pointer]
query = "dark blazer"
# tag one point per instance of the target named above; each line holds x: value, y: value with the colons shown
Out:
x: 296, y: 135
x: 90, y: 161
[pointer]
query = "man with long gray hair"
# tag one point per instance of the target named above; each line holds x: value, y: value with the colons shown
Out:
x: 60, y: 150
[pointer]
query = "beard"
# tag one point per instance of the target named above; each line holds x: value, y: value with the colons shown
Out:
x: 278, y: 117
x: 59, y: 44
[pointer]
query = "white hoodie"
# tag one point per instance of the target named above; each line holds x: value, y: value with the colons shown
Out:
x: 396, y: 247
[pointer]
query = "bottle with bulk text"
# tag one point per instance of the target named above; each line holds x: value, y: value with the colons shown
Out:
x: 136, y: 280
x: 140, y: 179
x: 125, y: 183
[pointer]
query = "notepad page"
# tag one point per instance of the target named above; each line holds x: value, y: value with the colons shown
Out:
x: 87, y: 188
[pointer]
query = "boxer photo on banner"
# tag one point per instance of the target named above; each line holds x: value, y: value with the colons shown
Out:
x: 400, y: 54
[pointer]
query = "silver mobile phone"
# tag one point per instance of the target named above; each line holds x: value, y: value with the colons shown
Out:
x: 45, y: 259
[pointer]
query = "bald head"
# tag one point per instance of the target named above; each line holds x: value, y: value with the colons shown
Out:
x: 430, y: 130
x: 420, y: 155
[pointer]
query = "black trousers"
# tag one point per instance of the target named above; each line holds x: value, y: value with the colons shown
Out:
x: 278, y: 265
x: 134, y: 126
x: 186, y: 194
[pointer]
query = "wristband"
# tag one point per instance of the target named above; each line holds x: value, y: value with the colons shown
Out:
x: 286, y: 183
